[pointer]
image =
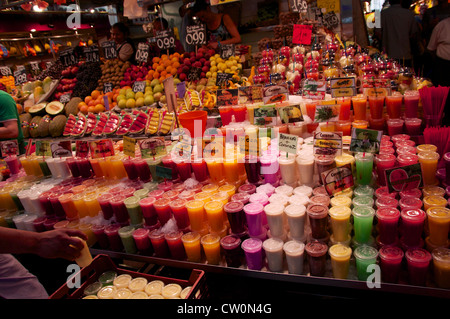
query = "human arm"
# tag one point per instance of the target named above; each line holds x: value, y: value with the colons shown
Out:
x: 9, y: 129
x: 232, y: 30
x: 50, y: 244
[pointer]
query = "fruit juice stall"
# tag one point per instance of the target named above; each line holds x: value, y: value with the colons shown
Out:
x: 315, y: 166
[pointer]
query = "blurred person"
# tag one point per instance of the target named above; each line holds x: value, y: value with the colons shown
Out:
x: 439, y: 46
x: 10, y: 127
x: 125, y: 48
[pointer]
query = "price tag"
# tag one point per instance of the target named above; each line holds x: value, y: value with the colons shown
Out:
x: 43, y: 148
x: 101, y: 148
x: 288, y: 143
x: 82, y: 149
x: 365, y: 140
x: 327, y: 143
x: 109, y: 50
x: 152, y: 147
x: 139, y: 86
x: 302, y: 34
x: 68, y: 58
x: 5, y: 71
x: 337, y: 179
x: 20, y: 76
x: 108, y: 87
x: 223, y: 78
x: 195, y: 36
x: 343, y: 86
x: 65, y: 98
x: 142, y: 52
x: 91, y: 53
x: 169, y: 90
x: 163, y: 172
x: 165, y: 39
x: 330, y: 20
x: 228, y: 97
x: 300, y: 6
x: 405, y: 177
x: 34, y: 66
x: 61, y: 149
x: 10, y: 147
x: 129, y: 146
x: 227, y: 51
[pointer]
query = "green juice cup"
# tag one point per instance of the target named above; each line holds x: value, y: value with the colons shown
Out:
x: 366, y: 201
x: 134, y: 210
x: 362, y: 223
x: 126, y: 234
x: 364, y: 166
x: 364, y: 257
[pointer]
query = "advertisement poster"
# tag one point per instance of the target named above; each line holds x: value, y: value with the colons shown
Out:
x: 405, y: 177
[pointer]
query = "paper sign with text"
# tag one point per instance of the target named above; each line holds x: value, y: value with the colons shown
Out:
x: 152, y: 147
x: 61, y: 149
x: 405, y: 177
x: 288, y: 143
x: 129, y: 146
x: 302, y: 34
x: 10, y: 147
x: 327, y: 143
x: 341, y: 87
x: 82, y: 149
x: 337, y: 179
x: 363, y: 140
x: 101, y: 148
x: 43, y: 148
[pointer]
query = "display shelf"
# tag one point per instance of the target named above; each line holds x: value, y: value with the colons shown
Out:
x: 354, y: 285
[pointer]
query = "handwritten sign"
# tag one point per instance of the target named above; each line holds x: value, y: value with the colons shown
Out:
x: 129, y: 146
x: 142, y: 52
x: 91, y: 53
x: 108, y: 87
x: 404, y: 177
x: 300, y: 6
x: 337, y: 179
x: 5, y: 71
x: 61, y: 149
x: 302, y: 34
x: 65, y: 98
x: 227, y: 51
x: 288, y: 143
x: 20, y: 76
x: 195, y: 36
x: 223, y: 78
x: 165, y: 39
x: 109, y: 50
x: 139, y: 86
x: 327, y: 143
x: 101, y: 148
x: 68, y: 57
x: 249, y: 145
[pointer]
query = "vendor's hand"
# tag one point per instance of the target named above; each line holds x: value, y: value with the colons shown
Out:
x: 61, y: 243
x: 213, y: 45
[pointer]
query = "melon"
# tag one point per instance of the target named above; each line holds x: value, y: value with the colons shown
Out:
x: 125, y: 124
x: 72, y: 106
x: 54, y: 108
x: 25, y: 119
x: 57, y: 124
x: 34, y: 125
x: 37, y: 109
x: 139, y: 124
x: 70, y: 124
x: 101, y: 122
x: 80, y: 126
x: 44, y: 124
x: 112, y: 124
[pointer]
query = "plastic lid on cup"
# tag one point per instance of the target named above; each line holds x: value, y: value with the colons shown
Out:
x: 441, y: 254
x: 428, y: 156
x: 364, y: 190
x: 131, y: 201
x: 273, y: 244
x: 340, y: 251
x: 230, y: 242
x: 363, y: 201
x: 298, y: 200
x: 279, y: 199
x: 401, y: 136
x: 247, y: 188
x: 320, y: 199
x: 388, y: 213
x: 191, y: 237
x: 154, y: 287
x: 384, y: 191
x: 252, y: 245
x: 157, y: 193
x: 418, y: 255
x: 178, y: 203
x: 260, y: 198
x: 435, y: 200
x: 413, y: 214
x: 363, y: 156
x: 303, y: 190
x: 290, y: 159
x: 126, y: 231
x: 214, y: 204
x: 391, y: 253
x: 316, y: 248
x: 386, y: 202
x: 141, y: 233
x: 233, y: 207
x: 173, y: 235
x: 93, y: 288
x: 284, y: 190
x: 253, y: 208
x: 438, y: 212
x: 294, y: 210
x: 317, y: 211
x: 274, y: 209
x: 365, y: 252
x: 294, y: 248
x: 241, y: 197
x: 409, y: 201
x: 429, y: 190
x: 426, y: 148
x: 162, y: 202
x: 112, y: 228
x: 340, y: 212
x: 363, y: 211
x: 147, y: 200
x: 107, y: 292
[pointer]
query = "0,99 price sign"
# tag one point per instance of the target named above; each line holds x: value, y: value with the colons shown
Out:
x: 142, y: 52
x: 109, y: 50
x: 165, y: 39
x: 195, y: 36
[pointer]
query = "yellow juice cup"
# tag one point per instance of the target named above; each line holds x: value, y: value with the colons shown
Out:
x: 340, y: 260
x: 6, y: 201
x: 231, y: 170
x: 210, y: 188
x: 80, y: 206
x: 438, y: 225
x: 202, y: 196
x: 87, y: 229
x: 211, y: 247
x: 214, y: 213
x: 429, y: 162
x: 434, y: 201
x: 27, y: 166
x: 228, y: 188
x: 192, y: 246
x: 68, y: 206
x: 92, y: 205
x: 105, y: 164
x: 119, y: 169
x: 196, y: 214
x: 426, y: 148
x: 441, y: 267
x: 37, y: 171
x: 340, y: 222
x: 345, y: 159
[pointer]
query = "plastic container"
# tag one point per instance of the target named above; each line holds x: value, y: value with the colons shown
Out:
x: 294, y: 252
x: 418, y: 263
x: 340, y: 260
x: 253, y: 253
x: 365, y: 256
x: 441, y: 267
x: 391, y: 258
x: 318, y: 220
x: 317, y: 253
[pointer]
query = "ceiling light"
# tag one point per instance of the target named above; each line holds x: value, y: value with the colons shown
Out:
x: 92, y: 10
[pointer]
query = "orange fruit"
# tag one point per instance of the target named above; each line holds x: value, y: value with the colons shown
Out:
x: 87, y: 99
x: 83, y: 109
x: 176, y: 65
x: 160, y: 68
x: 156, y: 75
x: 91, y: 109
x: 156, y: 59
x: 163, y: 73
x: 173, y: 71
x: 95, y: 94
x: 91, y: 103
x: 99, y: 108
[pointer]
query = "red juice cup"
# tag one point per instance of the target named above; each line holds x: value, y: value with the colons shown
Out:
x: 119, y: 209
x: 84, y: 167
x: 383, y: 191
x: 411, y: 99
x: 163, y: 211
x: 414, y: 192
x: 44, y: 200
x: 56, y: 205
x: 395, y: 126
x: 38, y: 224
x: 50, y: 222
x: 184, y: 169
x: 408, y: 150
x: 180, y: 213
x: 157, y: 193
x: 114, y: 240
x: 200, y: 169
x: 254, y: 256
x: 159, y: 243
x: 247, y: 188
x: 410, y: 202
x: 142, y: 169
x: 99, y: 232
x: 383, y: 202
x: 391, y: 258
x: 418, y: 263
x: 344, y: 111
x: 130, y: 168
x: 142, y: 241
x: 175, y: 245
x: 231, y: 246
x: 407, y: 159
x: 236, y: 216
x: 73, y: 166
x: 148, y: 210
x: 388, y: 218
x: 386, y: 150
x: 412, y: 226
x: 376, y: 104
x: 413, y: 126
x: 168, y: 162
x: 383, y: 162
x: 394, y: 105
x: 226, y: 113
x: 240, y: 112
x: 104, y: 201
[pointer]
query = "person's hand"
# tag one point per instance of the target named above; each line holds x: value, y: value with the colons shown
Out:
x: 213, y: 45
x: 61, y: 243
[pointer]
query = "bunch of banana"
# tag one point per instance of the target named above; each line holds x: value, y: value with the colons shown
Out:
x: 192, y: 100
x: 167, y: 122
x: 153, y: 123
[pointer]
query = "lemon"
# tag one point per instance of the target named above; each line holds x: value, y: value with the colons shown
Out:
x: 140, y: 102
x: 131, y: 103
x: 122, y: 103
x: 138, y: 95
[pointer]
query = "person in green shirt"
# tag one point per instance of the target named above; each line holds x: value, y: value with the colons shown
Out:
x: 9, y: 121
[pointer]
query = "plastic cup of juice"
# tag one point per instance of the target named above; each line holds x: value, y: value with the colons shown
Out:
x: 428, y: 162
x: 340, y: 222
x: 273, y: 248
x: 438, y: 224
x: 192, y: 246
x: 391, y: 258
x: 365, y: 256
x: 317, y: 253
x: 363, y: 223
x: 418, y: 263
x: 441, y: 267
x: 253, y: 253
x: 340, y: 260
x: 211, y: 247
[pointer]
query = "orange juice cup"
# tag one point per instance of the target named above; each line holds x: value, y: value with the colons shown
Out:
x: 211, y: 247
x: 196, y: 214
x: 429, y: 162
x: 359, y: 107
x: 214, y: 213
x: 192, y: 246
x: 68, y: 206
x: 92, y: 205
x: 438, y: 225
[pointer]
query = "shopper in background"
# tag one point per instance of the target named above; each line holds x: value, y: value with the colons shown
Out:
x: 185, y: 12
x: 398, y: 28
x: 16, y: 282
x: 9, y: 121
x: 432, y: 16
x: 439, y: 45
x: 219, y: 26
x: 125, y: 48
x: 161, y: 24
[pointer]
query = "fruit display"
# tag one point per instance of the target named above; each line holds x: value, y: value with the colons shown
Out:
x: 112, y: 72
x: 165, y: 66
x: 87, y: 77
x: 195, y: 66
x: 134, y: 73
x: 68, y: 82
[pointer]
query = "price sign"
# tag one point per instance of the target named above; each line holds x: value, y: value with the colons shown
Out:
x: 227, y: 50
x: 61, y: 149
x: 34, y: 66
x: 65, y: 98
x: 288, y: 143
x: 68, y: 58
x: 20, y: 76
x: 223, y: 78
x: 139, y: 86
x: 91, y: 53
x: 195, y: 36
x: 5, y: 71
x: 165, y: 39
x: 330, y: 20
x: 300, y: 6
x: 302, y: 34
x: 109, y: 50
x: 129, y: 146
x: 142, y: 52
x: 404, y: 177
x: 43, y: 148
x: 108, y: 87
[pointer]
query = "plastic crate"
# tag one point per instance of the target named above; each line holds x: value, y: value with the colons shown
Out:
x: 103, y: 263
